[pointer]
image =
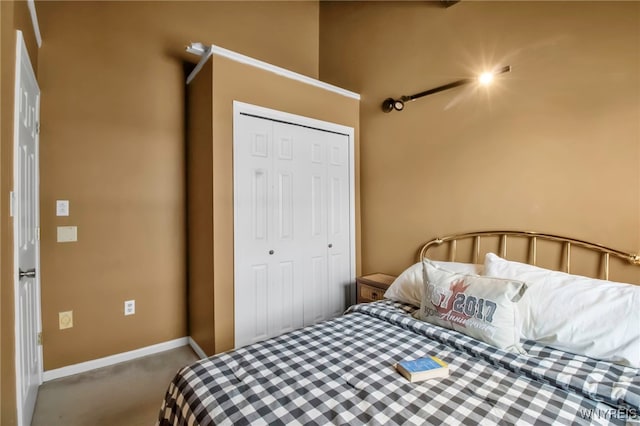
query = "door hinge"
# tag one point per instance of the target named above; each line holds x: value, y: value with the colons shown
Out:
x: 38, y: 233
x: 38, y: 127
x: 40, y: 339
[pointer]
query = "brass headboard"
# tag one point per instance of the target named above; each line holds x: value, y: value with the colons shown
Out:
x: 605, y: 252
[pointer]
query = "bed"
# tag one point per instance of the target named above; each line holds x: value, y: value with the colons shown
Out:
x: 342, y: 371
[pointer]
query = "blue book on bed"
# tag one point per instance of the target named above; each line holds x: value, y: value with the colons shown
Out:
x: 423, y: 369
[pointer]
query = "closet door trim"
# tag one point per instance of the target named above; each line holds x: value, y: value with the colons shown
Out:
x: 241, y: 108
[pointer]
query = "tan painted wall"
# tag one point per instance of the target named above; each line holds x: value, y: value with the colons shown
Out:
x: 554, y: 146
x: 13, y: 16
x: 112, y: 141
x: 200, y: 209
x: 235, y: 81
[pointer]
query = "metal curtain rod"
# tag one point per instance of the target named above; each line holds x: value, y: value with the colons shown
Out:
x: 390, y: 104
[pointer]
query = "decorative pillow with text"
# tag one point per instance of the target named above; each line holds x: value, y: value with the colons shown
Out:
x: 478, y: 306
x: 409, y: 285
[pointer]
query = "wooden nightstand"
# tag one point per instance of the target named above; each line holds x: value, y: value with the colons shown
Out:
x: 371, y: 287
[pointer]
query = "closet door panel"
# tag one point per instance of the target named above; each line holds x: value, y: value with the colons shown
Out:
x: 282, y: 300
x: 338, y: 231
x: 289, y: 174
x: 315, y: 226
x: 253, y: 159
x: 256, y: 302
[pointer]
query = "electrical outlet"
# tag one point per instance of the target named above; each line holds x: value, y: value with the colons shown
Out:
x: 129, y: 307
x: 65, y: 319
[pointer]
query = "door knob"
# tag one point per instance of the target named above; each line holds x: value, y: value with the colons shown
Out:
x: 330, y: 245
x: 29, y: 273
x: 271, y: 252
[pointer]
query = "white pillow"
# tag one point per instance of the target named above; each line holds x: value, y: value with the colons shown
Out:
x: 596, y: 318
x: 478, y: 306
x: 408, y: 287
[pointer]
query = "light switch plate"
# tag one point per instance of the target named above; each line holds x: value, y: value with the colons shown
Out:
x: 67, y: 234
x: 62, y: 207
x: 129, y: 307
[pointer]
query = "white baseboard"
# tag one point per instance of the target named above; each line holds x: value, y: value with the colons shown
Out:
x: 197, y: 349
x: 83, y: 367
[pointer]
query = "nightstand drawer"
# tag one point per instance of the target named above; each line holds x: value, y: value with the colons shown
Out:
x: 370, y: 294
x: 372, y: 287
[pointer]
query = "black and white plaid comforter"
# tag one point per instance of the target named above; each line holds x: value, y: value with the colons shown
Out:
x: 341, y: 372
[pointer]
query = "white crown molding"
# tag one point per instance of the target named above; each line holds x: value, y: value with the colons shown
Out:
x: 31, y: 4
x: 203, y: 60
x: 238, y: 57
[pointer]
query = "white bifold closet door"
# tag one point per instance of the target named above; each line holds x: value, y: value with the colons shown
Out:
x: 292, y: 259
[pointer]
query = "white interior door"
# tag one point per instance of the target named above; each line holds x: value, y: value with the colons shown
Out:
x: 338, y: 227
x: 268, y: 262
x: 328, y: 271
x: 288, y: 178
x: 285, y: 297
x: 26, y: 235
x: 254, y: 241
x: 315, y: 228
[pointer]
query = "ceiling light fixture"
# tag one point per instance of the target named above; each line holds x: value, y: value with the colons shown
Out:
x: 486, y: 78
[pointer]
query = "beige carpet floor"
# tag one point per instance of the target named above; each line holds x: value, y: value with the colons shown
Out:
x: 126, y: 394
